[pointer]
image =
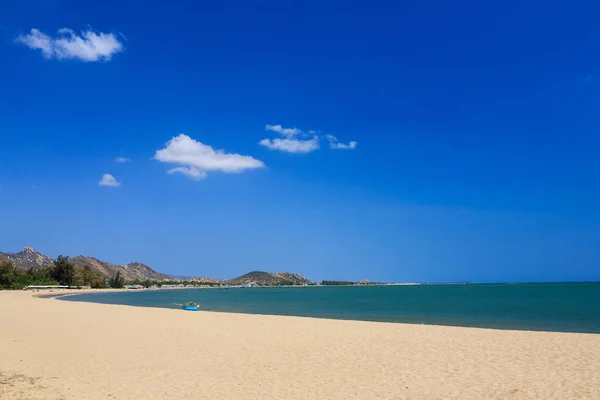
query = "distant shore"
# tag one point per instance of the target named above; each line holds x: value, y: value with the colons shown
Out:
x: 72, y: 350
x: 53, y: 293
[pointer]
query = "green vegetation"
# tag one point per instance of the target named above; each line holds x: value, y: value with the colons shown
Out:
x: 348, y: 283
x: 62, y: 272
x: 117, y: 282
x: 148, y: 283
x: 337, y: 283
x: 11, y: 278
x: 88, y: 277
x: 74, y: 273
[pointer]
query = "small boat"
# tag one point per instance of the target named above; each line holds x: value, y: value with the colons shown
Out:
x: 191, y: 306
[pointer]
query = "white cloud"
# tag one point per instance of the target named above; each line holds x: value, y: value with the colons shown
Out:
x: 289, y: 132
x: 337, y: 145
x: 291, y: 145
x: 192, y: 172
x: 350, y: 146
x: 122, y: 159
x: 196, y: 158
x: 90, y: 46
x: 109, y: 180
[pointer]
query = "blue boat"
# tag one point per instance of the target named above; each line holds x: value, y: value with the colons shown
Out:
x: 191, y: 306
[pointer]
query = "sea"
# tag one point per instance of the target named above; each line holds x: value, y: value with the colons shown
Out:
x: 558, y: 307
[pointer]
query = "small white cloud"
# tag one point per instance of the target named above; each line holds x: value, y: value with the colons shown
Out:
x: 122, y: 159
x: 37, y: 40
x: 192, y: 172
x: 196, y: 158
x: 283, y: 131
x: 109, y: 180
x: 337, y: 145
x: 291, y: 145
x: 90, y: 46
x: 350, y: 146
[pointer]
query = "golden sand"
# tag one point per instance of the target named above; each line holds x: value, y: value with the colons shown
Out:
x: 51, y: 349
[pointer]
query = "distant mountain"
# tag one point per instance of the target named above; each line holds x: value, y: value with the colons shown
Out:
x: 200, y: 279
x: 297, y: 279
x: 142, y: 272
x: 28, y: 258
x: 131, y: 272
x: 107, y: 270
x: 267, y: 278
x: 182, y: 277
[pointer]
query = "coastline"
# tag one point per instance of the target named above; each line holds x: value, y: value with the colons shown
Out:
x: 77, y: 350
x: 55, y: 294
x: 424, y: 306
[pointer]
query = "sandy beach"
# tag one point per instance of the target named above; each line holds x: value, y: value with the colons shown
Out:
x: 50, y: 349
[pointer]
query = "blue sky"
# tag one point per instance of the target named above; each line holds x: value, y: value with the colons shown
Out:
x: 403, y: 141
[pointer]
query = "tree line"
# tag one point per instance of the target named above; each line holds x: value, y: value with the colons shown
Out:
x: 148, y: 283
x: 62, y: 272
x: 349, y: 283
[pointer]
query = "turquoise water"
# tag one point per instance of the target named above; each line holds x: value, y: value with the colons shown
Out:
x: 568, y: 307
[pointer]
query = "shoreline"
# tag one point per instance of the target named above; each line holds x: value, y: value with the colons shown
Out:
x: 51, y: 294
x: 316, y: 317
x: 73, y: 350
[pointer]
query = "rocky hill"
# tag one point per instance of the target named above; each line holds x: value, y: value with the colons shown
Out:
x: 131, y: 272
x: 107, y: 270
x: 267, y: 278
x: 200, y: 279
x: 142, y: 272
x: 28, y: 258
x: 297, y: 279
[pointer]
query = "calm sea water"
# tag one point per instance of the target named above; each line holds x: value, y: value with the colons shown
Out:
x: 568, y: 307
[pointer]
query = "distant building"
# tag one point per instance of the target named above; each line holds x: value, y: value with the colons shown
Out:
x: 133, y: 287
x: 44, y: 287
x: 172, y: 286
x: 36, y: 287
